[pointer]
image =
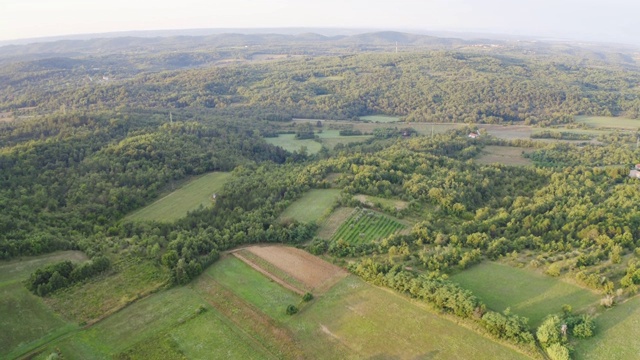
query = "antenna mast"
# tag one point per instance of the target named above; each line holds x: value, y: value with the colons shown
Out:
x: 396, y: 47
x: 170, y: 117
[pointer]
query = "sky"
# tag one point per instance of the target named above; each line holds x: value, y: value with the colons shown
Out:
x: 589, y: 20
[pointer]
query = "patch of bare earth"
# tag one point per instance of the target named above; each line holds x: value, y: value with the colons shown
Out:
x: 315, y: 273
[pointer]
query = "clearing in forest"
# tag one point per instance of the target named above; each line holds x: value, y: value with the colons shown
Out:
x: 312, y: 206
x: 189, y: 197
x: 527, y: 293
x: 373, y: 201
x: 609, y: 122
x: 364, y: 226
x: 506, y: 155
x: 380, y: 118
x: 617, y: 334
x: 291, y: 144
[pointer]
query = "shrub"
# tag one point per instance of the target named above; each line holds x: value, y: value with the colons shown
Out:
x: 558, y: 352
x: 292, y: 309
x: 307, y: 297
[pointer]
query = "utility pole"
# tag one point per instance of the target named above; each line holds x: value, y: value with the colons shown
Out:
x: 396, y: 47
x: 170, y: 117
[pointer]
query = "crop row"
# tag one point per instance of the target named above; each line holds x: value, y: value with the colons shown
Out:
x: 365, y: 226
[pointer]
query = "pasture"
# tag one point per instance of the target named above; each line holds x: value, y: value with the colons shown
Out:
x: 527, y: 293
x: 312, y: 206
x: 609, y: 122
x: 506, y: 155
x: 188, y: 197
x: 380, y: 118
x: 364, y: 226
x: 25, y: 319
x: 355, y: 320
x: 291, y: 144
x: 617, y: 334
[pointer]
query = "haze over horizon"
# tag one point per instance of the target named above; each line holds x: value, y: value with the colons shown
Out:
x: 588, y: 20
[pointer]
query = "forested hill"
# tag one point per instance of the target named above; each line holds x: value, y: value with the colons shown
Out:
x: 468, y: 85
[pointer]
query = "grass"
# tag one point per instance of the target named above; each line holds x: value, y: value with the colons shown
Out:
x: 617, y: 334
x: 127, y: 281
x: 355, y: 320
x: 506, y: 155
x: 365, y: 226
x: 374, y: 200
x: 331, y: 224
x: 527, y: 293
x: 609, y: 122
x: 187, y: 198
x: 312, y: 206
x: 26, y: 321
x: 331, y: 138
x: 290, y: 143
x: 273, y: 270
x: 380, y: 118
x: 20, y: 269
x: 253, y: 287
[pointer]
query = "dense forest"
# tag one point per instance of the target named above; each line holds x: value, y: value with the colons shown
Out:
x: 92, y: 139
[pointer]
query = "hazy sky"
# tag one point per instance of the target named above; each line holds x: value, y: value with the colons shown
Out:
x: 611, y: 20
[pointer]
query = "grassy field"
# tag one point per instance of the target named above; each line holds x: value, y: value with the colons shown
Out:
x: 527, y: 293
x: 18, y: 270
x: 355, y: 320
x: 506, y: 155
x: 365, y: 225
x: 312, y: 206
x: 617, y: 334
x: 104, y: 294
x: 609, y: 122
x: 290, y: 143
x: 374, y: 200
x: 331, y: 224
x: 380, y: 118
x: 331, y: 138
x: 187, y: 198
x: 25, y: 320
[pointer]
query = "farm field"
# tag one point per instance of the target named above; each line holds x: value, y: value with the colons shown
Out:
x: 380, y: 118
x: 25, y: 319
x: 290, y: 143
x: 609, y: 122
x: 527, y: 293
x: 187, y: 198
x: 331, y: 138
x: 331, y: 224
x: 351, y: 320
x: 506, y: 155
x: 312, y: 205
x: 373, y: 200
x: 617, y: 334
x: 364, y: 226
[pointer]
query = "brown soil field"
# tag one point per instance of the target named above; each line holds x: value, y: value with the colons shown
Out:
x: 312, y: 271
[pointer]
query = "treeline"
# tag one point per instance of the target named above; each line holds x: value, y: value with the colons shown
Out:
x: 63, y: 274
x: 560, y: 135
x: 448, y: 297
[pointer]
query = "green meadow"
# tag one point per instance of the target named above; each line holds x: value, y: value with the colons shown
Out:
x: 311, y: 206
x: 525, y: 292
x: 188, y: 197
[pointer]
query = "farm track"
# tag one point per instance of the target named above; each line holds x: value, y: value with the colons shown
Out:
x: 246, y: 318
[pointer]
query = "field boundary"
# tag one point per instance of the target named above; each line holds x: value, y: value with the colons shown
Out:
x: 264, y: 272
